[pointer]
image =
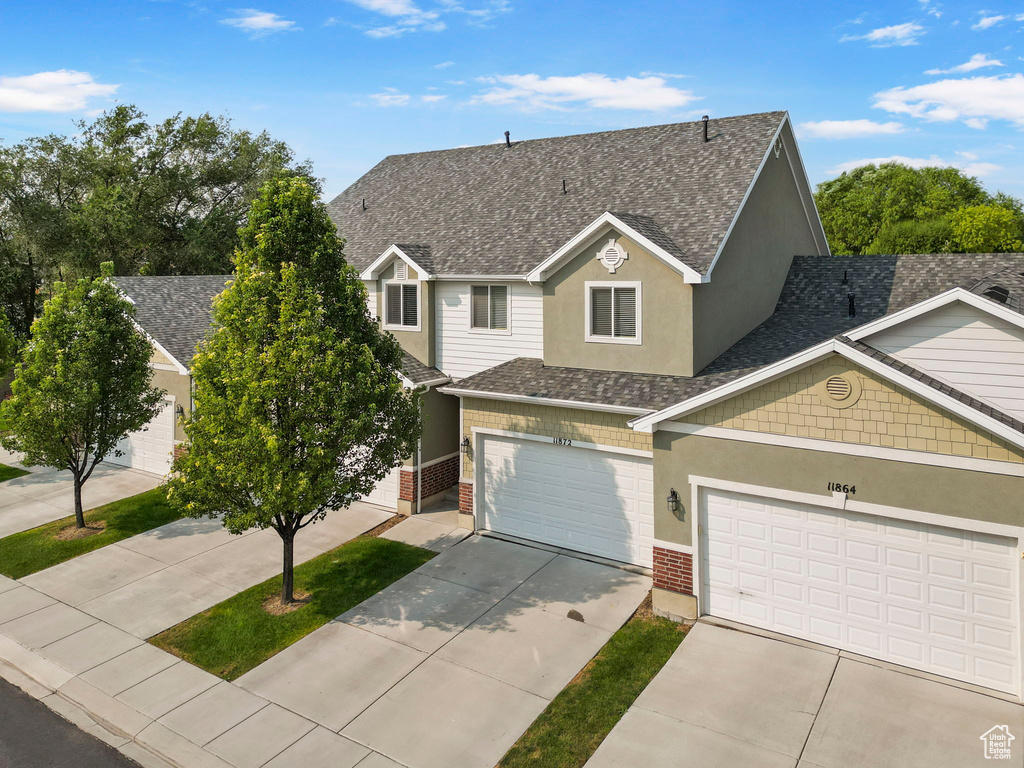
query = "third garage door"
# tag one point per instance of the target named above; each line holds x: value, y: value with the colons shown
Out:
x: 592, y: 501
x: 938, y: 599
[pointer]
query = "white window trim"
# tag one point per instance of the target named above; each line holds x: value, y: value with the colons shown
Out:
x: 589, y: 337
x: 419, y: 306
x: 508, y: 310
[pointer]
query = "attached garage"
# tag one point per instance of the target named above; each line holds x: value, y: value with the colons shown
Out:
x: 590, y: 499
x: 940, y: 599
x: 151, y: 448
x: 386, y: 492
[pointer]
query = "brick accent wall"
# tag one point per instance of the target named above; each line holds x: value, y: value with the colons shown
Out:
x: 573, y: 423
x: 437, y: 477
x: 673, y: 570
x: 884, y: 415
x: 466, y: 498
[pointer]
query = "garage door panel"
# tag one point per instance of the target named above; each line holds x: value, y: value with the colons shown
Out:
x: 926, y: 596
x: 151, y: 448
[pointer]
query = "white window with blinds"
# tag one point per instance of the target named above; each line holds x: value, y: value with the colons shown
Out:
x: 402, y: 306
x: 613, y: 313
x: 489, y: 308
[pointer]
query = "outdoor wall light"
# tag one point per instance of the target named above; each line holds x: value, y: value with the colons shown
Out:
x: 180, y: 413
x: 673, y: 501
x: 464, y: 445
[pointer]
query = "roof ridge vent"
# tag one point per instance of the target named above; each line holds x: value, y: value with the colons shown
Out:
x: 997, y: 293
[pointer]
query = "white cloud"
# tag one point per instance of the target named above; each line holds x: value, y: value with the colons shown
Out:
x: 260, y: 23
x: 977, y: 61
x: 974, y: 100
x: 431, y: 97
x: 932, y: 9
x: 390, y: 97
x: 65, y: 90
x: 885, y: 37
x: 847, y: 129
x: 984, y: 22
x: 970, y: 168
x: 406, y: 16
x: 444, y: 65
x: 592, y: 90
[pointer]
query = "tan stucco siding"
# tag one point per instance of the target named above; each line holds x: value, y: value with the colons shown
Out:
x: 440, y: 425
x: 572, y: 423
x: 664, y: 308
x: 420, y: 344
x: 955, y: 492
x: 748, y: 278
x: 884, y: 415
x: 178, y: 386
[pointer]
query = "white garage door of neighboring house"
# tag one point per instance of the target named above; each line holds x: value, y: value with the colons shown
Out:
x: 150, y: 449
x: 938, y: 599
x: 582, y: 499
x: 386, y: 492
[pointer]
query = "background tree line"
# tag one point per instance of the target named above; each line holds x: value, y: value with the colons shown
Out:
x: 895, y: 209
x: 163, y: 198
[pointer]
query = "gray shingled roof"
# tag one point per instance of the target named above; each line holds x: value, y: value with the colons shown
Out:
x: 174, y: 310
x: 497, y: 210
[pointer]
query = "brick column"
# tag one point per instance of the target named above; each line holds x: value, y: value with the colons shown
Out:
x: 465, y: 497
x: 673, y: 570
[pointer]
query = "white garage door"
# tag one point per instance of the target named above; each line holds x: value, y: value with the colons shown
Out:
x: 938, y: 599
x: 150, y: 449
x: 386, y: 492
x: 581, y: 499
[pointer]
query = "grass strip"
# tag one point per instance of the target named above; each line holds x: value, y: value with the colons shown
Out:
x: 9, y: 473
x: 238, y: 634
x: 38, y: 548
x: 567, y: 733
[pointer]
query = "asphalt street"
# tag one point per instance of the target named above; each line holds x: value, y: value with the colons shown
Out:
x: 31, y: 736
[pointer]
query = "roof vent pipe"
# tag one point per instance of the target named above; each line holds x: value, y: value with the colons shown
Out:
x: 705, y: 119
x: 508, y: 141
x: 853, y: 304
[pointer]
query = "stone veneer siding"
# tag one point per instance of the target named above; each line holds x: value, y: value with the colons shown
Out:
x: 437, y: 477
x: 884, y: 415
x: 572, y: 423
x: 673, y: 570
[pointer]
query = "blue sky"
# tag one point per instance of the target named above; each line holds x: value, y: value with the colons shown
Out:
x: 346, y: 82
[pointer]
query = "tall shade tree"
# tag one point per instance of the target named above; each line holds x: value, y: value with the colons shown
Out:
x: 83, y: 384
x: 987, y: 229
x: 160, y: 198
x: 298, y: 406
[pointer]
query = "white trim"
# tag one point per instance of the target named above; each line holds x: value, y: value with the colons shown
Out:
x: 174, y: 361
x: 943, y: 299
x: 609, y: 220
x: 163, y: 367
x: 906, y: 456
x: 483, y: 278
x: 684, y: 549
x: 588, y: 287
x: 432, y: 462
x: 549, y: 439
x: 373, y: 271
x: 746, y: 195
x: 810, y: 193
x: 419, y: 306
x: 410, y: 384
x: 507, y: 330
x: 548, y: 401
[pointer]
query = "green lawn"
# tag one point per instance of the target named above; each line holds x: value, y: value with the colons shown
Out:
x: 9, y: 473
x: 236, y: 635
x: 33, y: 550
x: 576, y: 721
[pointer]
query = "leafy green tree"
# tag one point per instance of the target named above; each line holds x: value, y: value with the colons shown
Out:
x: 986, y: 229
x: 154, y: 198
x: 928, y: 236
x: 83, y: 384
x: 298, y: 405
x: 857, y: 205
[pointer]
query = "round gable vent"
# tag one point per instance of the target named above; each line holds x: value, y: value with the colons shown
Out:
x: 838, y: 388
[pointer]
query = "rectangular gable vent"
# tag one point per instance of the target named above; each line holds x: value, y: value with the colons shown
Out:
x: 401, y: 270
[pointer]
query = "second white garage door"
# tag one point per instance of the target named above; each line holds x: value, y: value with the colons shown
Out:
x: 586, y: 500
x: 933, y: 598
x: 386, y: 492
x: 151, y: 448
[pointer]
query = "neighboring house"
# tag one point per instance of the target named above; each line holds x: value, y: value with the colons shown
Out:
x: 636, y: 346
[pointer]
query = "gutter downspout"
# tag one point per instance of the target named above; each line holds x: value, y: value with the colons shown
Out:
x: 419, y: 467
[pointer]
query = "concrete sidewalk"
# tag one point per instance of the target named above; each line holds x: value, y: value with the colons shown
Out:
x: 47, y: 494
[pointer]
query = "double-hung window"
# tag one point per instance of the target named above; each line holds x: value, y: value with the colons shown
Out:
x: 613, y: 312
x: 489, y: 308
x: 401, y: 309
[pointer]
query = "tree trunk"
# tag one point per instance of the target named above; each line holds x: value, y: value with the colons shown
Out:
x: 288, y: 572
x: 79, y: 514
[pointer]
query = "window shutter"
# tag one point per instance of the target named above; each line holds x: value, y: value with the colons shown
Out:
x: 625, y: 312
x: 499, y: 307
x: 394, y: 305
x: 601, y: 311
x: 409, y: 308
x: 480, y: 306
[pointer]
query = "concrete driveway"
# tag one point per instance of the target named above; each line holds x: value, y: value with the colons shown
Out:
x: 46, y: 494
x: 449, y: 665
x: 730, y: 698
